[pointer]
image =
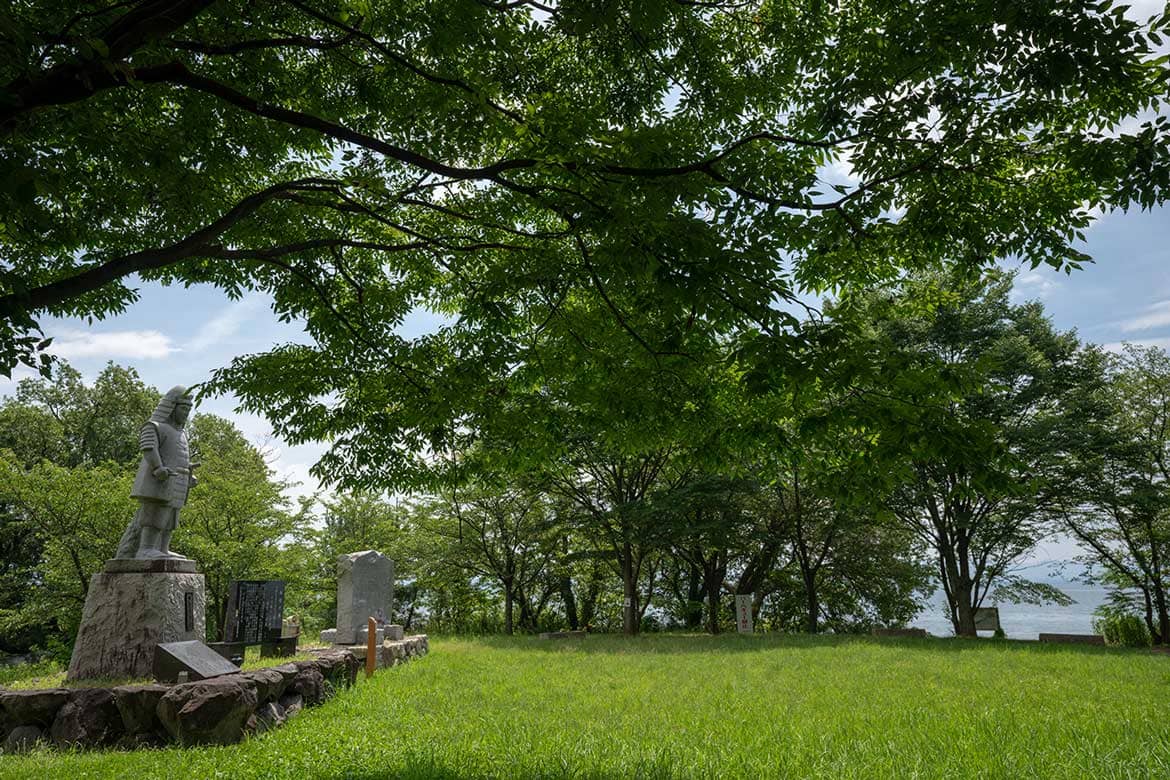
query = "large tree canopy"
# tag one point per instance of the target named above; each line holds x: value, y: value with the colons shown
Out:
x: 505, y: 161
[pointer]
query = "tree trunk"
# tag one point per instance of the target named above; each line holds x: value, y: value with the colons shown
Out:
x: 812, y: 602
x: 570, y: 602
x: 962, y: 612
x: 630, y: 591
x: 589, y: 604
x: 714, y: 585
x: 508, y: 601
x: 693, y: 614
x: 1162, y: 635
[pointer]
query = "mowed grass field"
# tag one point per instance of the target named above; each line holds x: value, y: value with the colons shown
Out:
x: 697, y: 706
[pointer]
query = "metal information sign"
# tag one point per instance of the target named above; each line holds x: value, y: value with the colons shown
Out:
x: 987, y: 619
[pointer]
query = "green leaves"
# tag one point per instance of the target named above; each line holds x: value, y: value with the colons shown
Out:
x: 562, y: 184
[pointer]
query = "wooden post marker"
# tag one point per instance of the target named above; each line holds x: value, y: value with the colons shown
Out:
x: 371, y: 647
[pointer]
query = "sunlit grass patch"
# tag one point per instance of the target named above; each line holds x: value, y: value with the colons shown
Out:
x: 672, y: 706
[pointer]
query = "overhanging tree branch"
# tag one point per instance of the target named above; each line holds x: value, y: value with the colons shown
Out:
x: 55, y: 294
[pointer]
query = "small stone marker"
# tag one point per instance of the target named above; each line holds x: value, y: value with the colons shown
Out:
x: 987, y: 619
x: 255, y: 612
x: 743, y: 613
x: 232, y: 651
x: 193, y: 657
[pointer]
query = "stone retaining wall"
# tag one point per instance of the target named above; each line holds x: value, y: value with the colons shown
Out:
x: 218, y: 711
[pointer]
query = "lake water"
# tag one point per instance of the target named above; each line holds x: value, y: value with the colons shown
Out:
x: 1025, y: 621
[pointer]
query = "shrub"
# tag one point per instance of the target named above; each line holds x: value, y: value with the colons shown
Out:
x: 1123, y: 629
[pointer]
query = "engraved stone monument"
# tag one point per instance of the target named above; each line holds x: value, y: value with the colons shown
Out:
x: 255, y: 616
x: 255, y: 612
x: 147, y: 595
x: 365, y: 589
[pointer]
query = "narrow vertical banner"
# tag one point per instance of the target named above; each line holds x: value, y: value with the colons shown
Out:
x: 371, y: 647
x: 743, y: 613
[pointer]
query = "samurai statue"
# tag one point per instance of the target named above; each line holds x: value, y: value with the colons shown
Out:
x: 163, y: 480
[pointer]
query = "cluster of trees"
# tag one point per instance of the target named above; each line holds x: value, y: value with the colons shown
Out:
x: 919, y: 437
x: 619, y: 207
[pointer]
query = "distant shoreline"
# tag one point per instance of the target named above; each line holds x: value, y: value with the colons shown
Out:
x: 1026, y: 621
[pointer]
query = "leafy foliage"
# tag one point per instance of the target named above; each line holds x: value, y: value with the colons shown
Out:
x: 962, y: 397
x: 503, y: 163
x: 1123, y: 630
x: 1118, y: 504
x: 76, y: 516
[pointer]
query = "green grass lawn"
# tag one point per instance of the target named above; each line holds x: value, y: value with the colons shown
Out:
x: 673, y: 706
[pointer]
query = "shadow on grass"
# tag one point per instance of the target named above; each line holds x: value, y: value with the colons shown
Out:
x: 673, y: 644
x: 419, y: 765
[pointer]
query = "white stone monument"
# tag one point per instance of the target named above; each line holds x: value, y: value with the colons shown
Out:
x: 743, y: 613
x: 365, y: 589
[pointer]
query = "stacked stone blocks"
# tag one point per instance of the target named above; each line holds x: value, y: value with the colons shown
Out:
x: 218, y: 711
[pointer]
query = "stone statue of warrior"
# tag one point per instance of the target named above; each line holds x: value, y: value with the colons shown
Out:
x: 163, y: 479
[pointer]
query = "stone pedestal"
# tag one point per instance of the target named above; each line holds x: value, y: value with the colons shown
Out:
x: 131, y: 607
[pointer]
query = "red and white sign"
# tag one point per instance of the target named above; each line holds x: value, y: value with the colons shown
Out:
x: 743, y: 614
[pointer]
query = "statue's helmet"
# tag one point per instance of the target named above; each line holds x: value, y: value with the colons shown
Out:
x: 166, y: 405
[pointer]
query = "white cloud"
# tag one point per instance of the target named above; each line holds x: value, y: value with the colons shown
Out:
x: 1156, y: 315
x: 226, y: 324
x: 840, y: 170
x: 1035, y: 284
x: 1116, y: 346
x: 111, y: 344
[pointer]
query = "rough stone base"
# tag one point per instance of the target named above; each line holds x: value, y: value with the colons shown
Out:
x: 332, y: 636
x: 393, y: 652
x: 219, y: 711
x: 127, y: 614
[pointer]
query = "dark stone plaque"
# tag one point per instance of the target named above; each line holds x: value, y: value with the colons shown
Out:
x: 193, y: 657
x: 255, y: 611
